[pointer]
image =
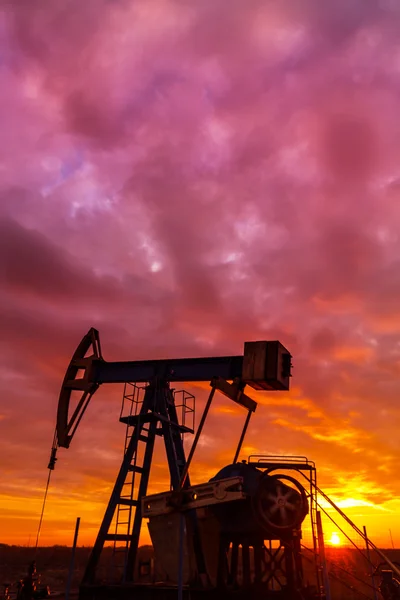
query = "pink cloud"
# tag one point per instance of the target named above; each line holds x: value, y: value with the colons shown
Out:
x: 185, y: 177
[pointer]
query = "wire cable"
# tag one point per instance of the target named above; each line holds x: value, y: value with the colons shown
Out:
x: 51, y: 468
x: 42, y: 513
x: 333, y: 576
x: 333, y: 564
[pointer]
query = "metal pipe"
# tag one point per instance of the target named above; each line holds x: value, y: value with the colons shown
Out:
x: 71, y: 566
x: 391, y: 538
x: 370, y: 563
x: 321, y: 548
x: 246, y: 424
x: 196, y: 439
x: 181, y: 554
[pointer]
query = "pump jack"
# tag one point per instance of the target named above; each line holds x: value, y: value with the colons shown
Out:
x: 263, y: 366
x: 246, y: 504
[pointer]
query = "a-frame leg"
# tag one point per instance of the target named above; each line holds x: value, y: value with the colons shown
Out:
x: 176, y: 461
x: 137, y: 522
x: 158, y: 413
x: 128, y: 464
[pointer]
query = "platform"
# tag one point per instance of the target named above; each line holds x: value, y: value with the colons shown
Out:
x: 164, y: 592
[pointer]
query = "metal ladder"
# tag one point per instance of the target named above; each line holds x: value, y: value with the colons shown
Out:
x: 126, y: 507
x: 155, y: 415
x: 318, y: 550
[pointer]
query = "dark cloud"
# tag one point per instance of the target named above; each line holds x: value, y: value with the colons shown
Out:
x: 31, y: 264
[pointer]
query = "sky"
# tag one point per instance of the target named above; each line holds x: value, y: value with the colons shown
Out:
x: 185, y: 176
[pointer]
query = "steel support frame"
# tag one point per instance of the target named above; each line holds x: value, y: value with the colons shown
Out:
x: 159, y: 403
x: 274, y: 568
x: 307, y: 470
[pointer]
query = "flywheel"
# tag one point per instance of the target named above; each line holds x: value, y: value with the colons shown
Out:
x: 280, y: 503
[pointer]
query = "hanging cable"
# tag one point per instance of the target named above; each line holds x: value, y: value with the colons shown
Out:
x: 333, y: 576
x: 358, y: 531
x: 333, y: 564
x: 345, y: 534
x: 393, y: 567
x: 51, y: 465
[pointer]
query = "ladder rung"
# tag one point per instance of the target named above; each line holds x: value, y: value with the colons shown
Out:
x: 142, y: 438
x: 118, y: 537
x: 135, y: 469
x: 128, y: 502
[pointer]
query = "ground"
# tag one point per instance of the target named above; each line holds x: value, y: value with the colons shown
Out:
x: 53, y: 564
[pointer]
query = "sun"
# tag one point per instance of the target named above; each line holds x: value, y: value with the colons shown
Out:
x: 335, y: 539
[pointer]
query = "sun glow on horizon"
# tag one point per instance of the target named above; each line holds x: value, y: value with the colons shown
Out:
x: 335, y: 539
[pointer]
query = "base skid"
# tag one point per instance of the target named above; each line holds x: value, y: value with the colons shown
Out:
x: 164, y: 592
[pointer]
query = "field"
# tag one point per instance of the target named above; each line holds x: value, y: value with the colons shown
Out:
x: 53, y: 564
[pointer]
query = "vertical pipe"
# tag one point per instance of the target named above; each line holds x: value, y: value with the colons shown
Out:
x: 181, y: 554
x: 246, y: 424
x: 391, y: 538
x: 271, y: 565
x: 223, y: 567
x: 258, y: 556
x: 246, y: 564
x: 322, y: 557
x: 233, y: 573
x: 71, y: 566
x: 370, y: 564
x: 289, y: 567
